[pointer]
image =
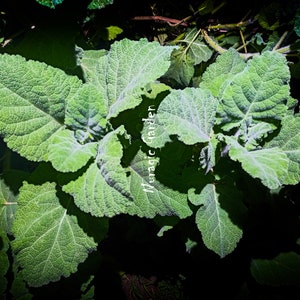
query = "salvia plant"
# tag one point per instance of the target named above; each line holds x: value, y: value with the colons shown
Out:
x: 123, y: 140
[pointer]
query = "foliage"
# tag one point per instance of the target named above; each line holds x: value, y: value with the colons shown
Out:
x: 196, y: 133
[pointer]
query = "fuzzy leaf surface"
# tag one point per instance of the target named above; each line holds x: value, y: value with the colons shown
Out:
x: 218, y: 232
x: 150, y: 196
x: 32, y: 104
x: 125, y: 70
x: 259, y: 92
x: 288, y: 140
x: 48, y: 243
x: 269, y: 165
x: 66, y: 154
x: 8, y: 202
x: 188, y: 113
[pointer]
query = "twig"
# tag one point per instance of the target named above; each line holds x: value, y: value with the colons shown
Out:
x: 170, y: 21
x: 280, y: 41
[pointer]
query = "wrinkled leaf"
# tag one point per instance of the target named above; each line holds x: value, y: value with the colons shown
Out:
x: 48, y: 243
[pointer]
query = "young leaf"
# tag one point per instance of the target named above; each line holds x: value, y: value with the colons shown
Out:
x: 269, y: 165
x: 150, y: 196
x: 32, y: 104
x: 282, y: 270
x: 288, y: 140
x: 125, y: 70
x: 66, y: 154
x: 48, y: 241
x: 8, y: 205
x: 86, y: 113
x: 258, y: 93
x: 218, y: 232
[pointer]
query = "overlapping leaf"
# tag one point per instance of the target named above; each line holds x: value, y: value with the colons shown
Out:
x: 8, y: 205
x: 125, y: 70
x: 32, y: 104
x: 218, y: 232
x: 288, y: 140
x: 269, y: 165
x: 259, y: 92
x: 188, y: 113
x: 67, y: 154
x: 48, y: 243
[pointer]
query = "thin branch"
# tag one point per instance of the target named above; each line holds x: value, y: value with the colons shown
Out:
x: 170, y: 21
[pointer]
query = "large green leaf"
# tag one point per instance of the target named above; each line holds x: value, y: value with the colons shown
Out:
x: 150, y: 196
x: 288, y: 140
x: 4, y: 262
x: 8, y: 204
x: 220, y: 73
x: 32, y: 104
x: 188, y: 113
x: 260, y: 92
x: 48, y: 243
x: 282, y: 270
x: 67, y: 154
x: 127, y: 68
x: 269, y: 165
x: 218, y: 231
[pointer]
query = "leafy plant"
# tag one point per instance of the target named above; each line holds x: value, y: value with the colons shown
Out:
x: 169, y: 132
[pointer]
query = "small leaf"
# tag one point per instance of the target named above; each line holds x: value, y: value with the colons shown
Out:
x: 48, y: 241
x: 8, y: 205
x: 218, y: 232
x: 66, y: 154
x: 32, y: 104
x: 269, y: 165
x: 98, y: 4
x: 283, y: 270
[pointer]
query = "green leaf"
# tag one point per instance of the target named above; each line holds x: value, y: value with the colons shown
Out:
x: 269, y: 165
x: 4, y: 262
x: 66, y: 154
x: 32, y: 104
x: 86, y: 113
x: 220, y: 73
x: 49, y: 3
x: 150, y: 196
x: 108, y: 160
x: 8, y: 205
x: 48, y: 241
x: 288, y: 140
x: 282, y: 270
x: 260, y: 92
x: 98, y: 4
x: 188, y: 113
x: 94, y: 195
x: 128, y: 67
x: 218, y: 231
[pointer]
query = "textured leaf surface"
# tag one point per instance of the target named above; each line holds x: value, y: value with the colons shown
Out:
x: 220, y: 73
x: 188, y: 113
x: 49, y: 243
x: 4, y: 262
x: 218, y: 232
x: 150, y: 196
x: 98, y: 4
x: 86, y: 113
x: 50, y: 3
x: 66, y: 154
x: 257, y: 93
x: 269, y: 165
x: 32, y: 104
x: 284, y: 269
x: 94, y: 195
x: 8, y: 204
x: 125, y: 70
x: 288, y: 140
